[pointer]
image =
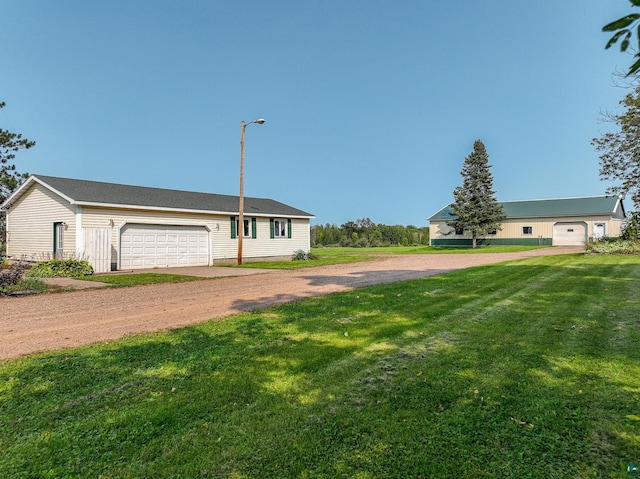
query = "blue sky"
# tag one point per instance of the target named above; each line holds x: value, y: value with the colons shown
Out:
x: 371, y: 106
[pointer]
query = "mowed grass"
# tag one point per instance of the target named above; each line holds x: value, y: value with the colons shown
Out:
x: 527, y: 369
x: 341, y: 251
x: 323, y: 260
x: 136, y: 279
x: 341, y: 255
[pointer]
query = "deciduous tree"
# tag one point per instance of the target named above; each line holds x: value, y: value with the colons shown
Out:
x: 620, y: 150
x: 624, y: 28
x: 475, y: 208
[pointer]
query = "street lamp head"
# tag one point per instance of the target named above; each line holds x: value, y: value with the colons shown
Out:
x: 259, y: 121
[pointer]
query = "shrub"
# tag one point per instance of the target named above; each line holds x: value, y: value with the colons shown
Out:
x: 67, y: 268
x: 363, y: 243
x: 11, y: 275
x: 614, y: 246
x: 301, y: 255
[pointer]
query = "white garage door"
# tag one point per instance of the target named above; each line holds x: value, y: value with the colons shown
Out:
x: 565, y: 234
x: 160, y: 246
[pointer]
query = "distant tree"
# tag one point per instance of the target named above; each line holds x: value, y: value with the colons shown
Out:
x: 620, y: 151
x: 10, y: 179
x: 624, y: 28
x: 364, y: 223
x: 364, y: 232
x: 475, y: 208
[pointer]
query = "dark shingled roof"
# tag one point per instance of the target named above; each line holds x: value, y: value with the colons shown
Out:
x: 112, y: 194
x: 592, y: 205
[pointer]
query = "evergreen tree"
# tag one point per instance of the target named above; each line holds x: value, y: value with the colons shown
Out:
x: 476, y: 209
x: 10, y: 179
x: 9, y: 144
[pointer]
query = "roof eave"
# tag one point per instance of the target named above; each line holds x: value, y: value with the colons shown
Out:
x: 182, y: 210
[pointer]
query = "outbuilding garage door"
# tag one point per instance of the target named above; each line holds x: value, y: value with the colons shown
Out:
x: 565, y: 234
x: 160, y: 246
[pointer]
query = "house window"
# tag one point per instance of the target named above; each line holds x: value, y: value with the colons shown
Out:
x: 527, y: 230
x: 493, y: 232
x: 248, y: 230
x: 459, y: 230
x: 280, y: 228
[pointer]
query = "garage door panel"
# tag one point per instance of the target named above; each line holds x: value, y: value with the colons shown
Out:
x: 569, y: 234
x: 157, y: 246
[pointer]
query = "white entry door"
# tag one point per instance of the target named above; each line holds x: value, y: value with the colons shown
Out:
x: 162, y: 246
x: 569, y: 234
x: 599, y: 230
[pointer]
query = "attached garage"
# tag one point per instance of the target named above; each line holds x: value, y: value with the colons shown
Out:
x: 116, y: 226
x: 162, y: 246
x: 569, y: 234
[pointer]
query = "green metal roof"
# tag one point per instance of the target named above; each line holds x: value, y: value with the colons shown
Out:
x: 86, y: 192
x: 591, y: 205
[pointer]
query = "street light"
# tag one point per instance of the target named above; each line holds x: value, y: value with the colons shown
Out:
x: 240, y: 228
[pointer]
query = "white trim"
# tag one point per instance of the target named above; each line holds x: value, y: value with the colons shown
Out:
x: 32, y: 179
x: 179, y: 210
x: 559, y: 198
x: 79, y: 233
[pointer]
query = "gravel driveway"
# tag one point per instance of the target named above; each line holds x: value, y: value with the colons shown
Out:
x: 56, y: 321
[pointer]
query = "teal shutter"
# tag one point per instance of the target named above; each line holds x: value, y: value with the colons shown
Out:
x: 272, y: 228
x: 55, y: 239
x: 288, y: 228
x: 233, y: 227
x: 254, y: 229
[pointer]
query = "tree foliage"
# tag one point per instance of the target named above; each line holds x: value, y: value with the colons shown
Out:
x: 624, y: 28
x: 366, y: 233
x: 631, y: 227
x: 475, y: 209
x: 10, y: 179
x: 10, y: 143
x: 620, y: 150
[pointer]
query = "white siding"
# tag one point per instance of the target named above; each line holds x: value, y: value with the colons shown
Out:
x: 30, y: 225
x: 265, y: 246
x: 223, y: 247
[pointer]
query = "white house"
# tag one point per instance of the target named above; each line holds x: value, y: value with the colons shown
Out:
x: 117, y: 226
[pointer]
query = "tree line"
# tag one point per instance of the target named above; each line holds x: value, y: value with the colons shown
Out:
x: 364, y: 233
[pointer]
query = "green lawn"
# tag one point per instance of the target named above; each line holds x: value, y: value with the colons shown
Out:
x: 136, y: 279
x: 340, y: 255
x: 528, y: 369
x: 340, y: 251
x: 323, y: 260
